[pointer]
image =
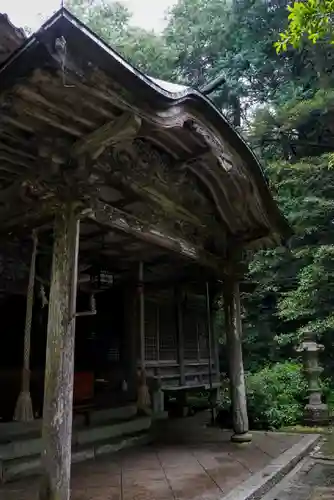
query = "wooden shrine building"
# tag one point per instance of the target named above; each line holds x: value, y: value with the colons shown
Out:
x: 125, y: 206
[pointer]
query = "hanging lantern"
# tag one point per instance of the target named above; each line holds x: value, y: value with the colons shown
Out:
x: 101, y: 279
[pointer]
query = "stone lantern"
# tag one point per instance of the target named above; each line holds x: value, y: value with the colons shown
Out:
x: 316, y: 412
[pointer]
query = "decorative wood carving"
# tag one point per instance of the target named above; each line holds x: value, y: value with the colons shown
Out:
x: 215, y: 145
x: 111, y: 133
x: 121, y: 221
x: 172, y: 193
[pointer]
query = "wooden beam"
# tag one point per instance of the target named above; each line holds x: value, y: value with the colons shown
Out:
x: 7, y: 176
x: 17, y: 123
x: 124, y: 127
x: 58, y: 392
x: 54, y: 87
x: 168, y: 206
x: 10, y: 169
x: 16, y: 151
x: 15, y: 160
x: 32, y: 96
x: 9, y: 134
x: 121, y: 221
x: 27, y: 109
x: 57, y: 85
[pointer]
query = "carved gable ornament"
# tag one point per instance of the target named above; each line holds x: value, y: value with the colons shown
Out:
x: 217, y: 148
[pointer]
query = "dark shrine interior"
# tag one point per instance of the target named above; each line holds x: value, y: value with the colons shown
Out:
x: 101, y: 351
x: 98, y: 348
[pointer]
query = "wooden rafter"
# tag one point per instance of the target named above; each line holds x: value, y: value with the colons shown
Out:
x: 120, y: 129
x: 42, y: 116
x: 31, y: 96
x: 22, y: 154
x: 7, y: 165
x: 18, y: 124
x: 16, y: 161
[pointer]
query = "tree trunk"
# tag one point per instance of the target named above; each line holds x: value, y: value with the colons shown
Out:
x: 234, y: 346
x: 58, y: 391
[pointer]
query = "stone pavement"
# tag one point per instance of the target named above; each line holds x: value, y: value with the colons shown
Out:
x: 201, y: 465
x: 312, y: 479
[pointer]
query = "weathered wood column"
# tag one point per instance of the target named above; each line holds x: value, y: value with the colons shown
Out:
x: 130, y: 343
x: 58, y: 391
x: 213, y: 394
x: 233, y: 327
x: 180, y: 332
x: 143, y: 399
x: 141, y: 314
x: 215, y: 345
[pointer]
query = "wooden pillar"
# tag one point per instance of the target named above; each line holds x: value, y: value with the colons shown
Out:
x: 209, y: 330
x: 180, y: 333
x: 213, y: 396
x: 236, y: 368
x: 129, y: 345
x: 158, y: 400
x: 215, y: 336
x: 215, y: 346
x: 58, y: 390
x: 144, y: 399
x: 141, y: 315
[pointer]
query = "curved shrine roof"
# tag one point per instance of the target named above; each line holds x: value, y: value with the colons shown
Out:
x: 10, y: 37
x: 64, y: 92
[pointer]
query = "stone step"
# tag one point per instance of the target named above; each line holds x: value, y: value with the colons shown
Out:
x: 31, y: 466
x: 27, y: 446
x: 15, y: 430
x: 93, y: 434
x: 24, y: 460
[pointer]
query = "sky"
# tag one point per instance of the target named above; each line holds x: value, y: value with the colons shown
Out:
x: 148, y: 14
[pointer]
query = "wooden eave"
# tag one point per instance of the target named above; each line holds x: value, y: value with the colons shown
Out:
x: 77, y: 121
x: 11, y: 37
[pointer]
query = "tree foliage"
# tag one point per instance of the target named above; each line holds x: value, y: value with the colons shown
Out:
x: 110, y: 20
x: 275, y: 395
x: 312, y: 19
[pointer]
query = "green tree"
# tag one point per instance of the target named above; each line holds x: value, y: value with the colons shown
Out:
x: 312, y: 19
x: 294, y: 285
x: 308, y: 186
x: 110, y: 20
x: 234, y: 38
